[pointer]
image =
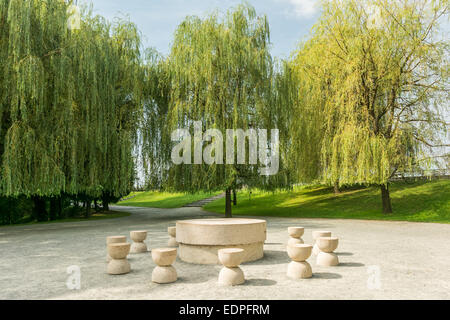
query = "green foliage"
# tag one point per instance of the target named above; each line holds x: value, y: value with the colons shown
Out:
x: 14, y: 210
x: 81, y: 110
x: 370, y: 96
x: 70, y: 101
x: 153, y: 140
x: 219, y: 72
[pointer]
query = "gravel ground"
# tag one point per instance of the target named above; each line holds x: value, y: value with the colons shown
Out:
x: 410, y: 260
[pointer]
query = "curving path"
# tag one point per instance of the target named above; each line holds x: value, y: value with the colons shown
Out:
x: 412, y: 260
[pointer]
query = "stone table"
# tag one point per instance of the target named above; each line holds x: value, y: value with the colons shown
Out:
x: 200, y: 239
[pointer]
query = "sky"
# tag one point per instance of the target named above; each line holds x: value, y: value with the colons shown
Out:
x: 290, y: 20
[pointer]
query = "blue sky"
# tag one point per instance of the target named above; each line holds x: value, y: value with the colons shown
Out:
x: 290, y: 20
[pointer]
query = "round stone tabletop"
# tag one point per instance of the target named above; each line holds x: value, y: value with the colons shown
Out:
x: 225, y: 231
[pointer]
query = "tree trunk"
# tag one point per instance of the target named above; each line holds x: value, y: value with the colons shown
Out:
x: 87, y: 213
x: 234, y: 197
x: 336, y: 187
x: 75, y: 209
x: 385, y: 198
x: 105, y: 203
x: 96, y: 206
x: 39, y: 211
x: 61, y: 213
x: 228, y: 203
x: 55, y: 208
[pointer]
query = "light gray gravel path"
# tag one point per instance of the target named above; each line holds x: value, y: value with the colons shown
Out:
x: 411, y: 259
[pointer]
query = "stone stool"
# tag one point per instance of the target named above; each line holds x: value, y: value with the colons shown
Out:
x: 317, y: 234
x: 231, y: 274
x: 298, y: 268
x: 119, y: 263
x: 326, y: 257
x: 113, y: 239
x: 172, y: 233
x: 164, y: 272
x: 138, y: 245
x: 295, y: 235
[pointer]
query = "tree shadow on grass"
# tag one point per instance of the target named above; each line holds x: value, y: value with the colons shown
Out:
x: 283, y: 222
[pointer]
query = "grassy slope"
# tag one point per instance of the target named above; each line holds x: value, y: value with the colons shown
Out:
x: 421, y: 201
x: 164, y: 199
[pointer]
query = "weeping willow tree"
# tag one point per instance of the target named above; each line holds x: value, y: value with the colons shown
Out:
x: 219, y: 74
x: 372, y: 82
x: 69, y: 104
x: 109, y: 93
x: 154, y: 142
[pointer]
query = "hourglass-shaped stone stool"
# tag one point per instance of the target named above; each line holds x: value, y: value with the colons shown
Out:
x: 172, y: 240
x: 298, y: 268
x: 113, y: 239
x: 295, y: 235
x: 119, y: 263
x: 326, y: 257
x: 231, y: 274
x: 164, y: 272
x: 138, y: 245
x: 317, y: 234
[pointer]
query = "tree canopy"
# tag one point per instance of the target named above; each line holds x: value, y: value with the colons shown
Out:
x: 83, y: 108
x: 373, y: 78
x: 220, y: 73
x: 69, y: 102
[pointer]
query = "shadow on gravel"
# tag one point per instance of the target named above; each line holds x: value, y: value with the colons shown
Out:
x: 344, y: 253
x: 326, y: 275
x: 271, y: 257
x: 196, y: 280
x: 351, y: 264
x: 260, y: 282
x: 204, y: 274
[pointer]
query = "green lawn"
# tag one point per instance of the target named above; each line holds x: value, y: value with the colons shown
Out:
x: 425, y: 201
x: 95, y: 216
x: 156, y: 199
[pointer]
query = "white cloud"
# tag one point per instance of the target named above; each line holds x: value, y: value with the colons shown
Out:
x: 304, y: 8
